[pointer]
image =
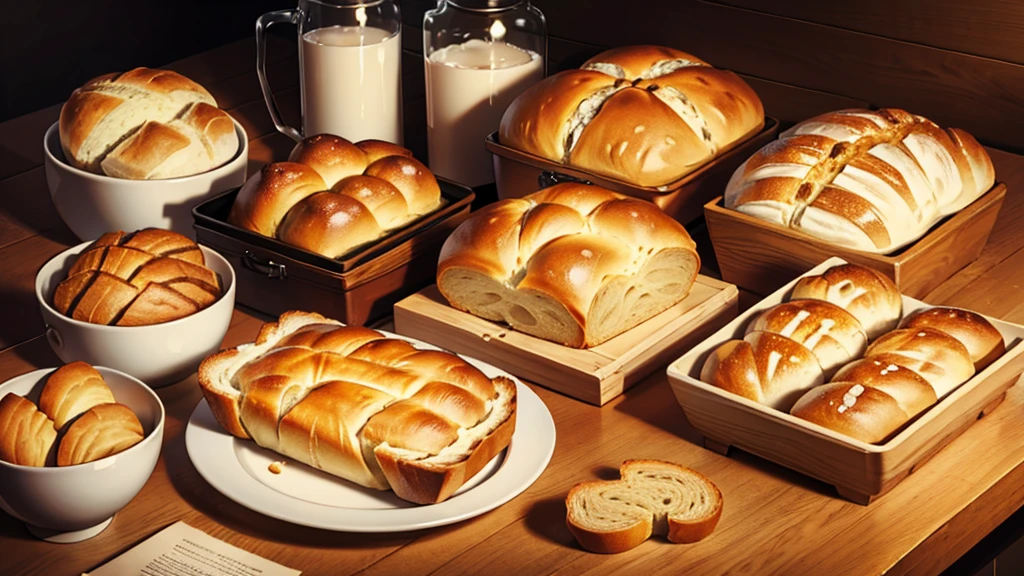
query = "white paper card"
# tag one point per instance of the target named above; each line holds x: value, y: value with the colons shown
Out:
x: 181, y: 550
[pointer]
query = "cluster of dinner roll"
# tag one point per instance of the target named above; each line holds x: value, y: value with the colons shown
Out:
x: 77, y: 414
x: 136, y: 279
x: 145, y: 124
x: 573, y: 263
x: 873, y: 180
x: 645, y: 115
x: 839, y: 328
x: 332, y: 196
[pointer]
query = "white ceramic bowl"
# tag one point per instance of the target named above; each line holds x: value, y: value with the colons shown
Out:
x: 157, y: 354
x: 72, y: 503
x: 93, y: 204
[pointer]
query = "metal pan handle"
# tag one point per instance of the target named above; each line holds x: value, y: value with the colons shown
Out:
x: 273, y: 270
x: 548, y: 179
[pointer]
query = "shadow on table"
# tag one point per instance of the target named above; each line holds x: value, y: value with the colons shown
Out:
x: 546, y: 518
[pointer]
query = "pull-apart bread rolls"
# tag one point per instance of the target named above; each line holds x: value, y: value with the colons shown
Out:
x: 76, y: 405
x: 652, y: 497
x: 868, y: 294
x: 135, y: 279
x: 873, y: 180
x: 333, y: 196
x: 145, y: 124
x: 831, y: 333
x: 646, y: 115
x: 351, y: 402
x: 574, y: 264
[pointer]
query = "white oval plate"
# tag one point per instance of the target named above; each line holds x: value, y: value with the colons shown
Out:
x: 239, y: 469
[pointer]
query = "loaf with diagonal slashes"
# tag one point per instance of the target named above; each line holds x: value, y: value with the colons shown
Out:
x: 354, y: 403
x: 574, y: 264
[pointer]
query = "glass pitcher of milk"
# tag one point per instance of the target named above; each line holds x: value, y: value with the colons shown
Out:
x: 350, y: 54
x: 478, y: 56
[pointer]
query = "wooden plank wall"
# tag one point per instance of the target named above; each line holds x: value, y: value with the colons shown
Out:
x: 958, y: 63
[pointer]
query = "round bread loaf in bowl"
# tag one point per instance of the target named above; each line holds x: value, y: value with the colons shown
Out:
x: 152, y: 303
x: 74, y: 502
x: 332, y: 196
x: 140, y: 149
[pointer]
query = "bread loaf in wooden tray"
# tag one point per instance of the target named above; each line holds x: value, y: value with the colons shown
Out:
x: 574, y: 264
x: 354, y: 403
x: 873, y: 180
x: 792, y: 347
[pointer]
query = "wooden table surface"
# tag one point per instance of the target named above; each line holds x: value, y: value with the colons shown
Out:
x: 774, y: 520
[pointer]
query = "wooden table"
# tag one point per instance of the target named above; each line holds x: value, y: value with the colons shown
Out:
x: 775, y: 521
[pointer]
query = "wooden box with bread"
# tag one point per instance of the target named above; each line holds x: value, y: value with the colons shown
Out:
x: 882, y: 188
x: 651, y: 122
x: 574, y: 287
x: 345, y: 228
x: 840, y: 377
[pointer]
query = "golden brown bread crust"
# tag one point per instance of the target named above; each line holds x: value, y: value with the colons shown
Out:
x: 71, y: 390
x: 145, y: 124
x: 574, y: 264
x: 936, y: 356
x: 148, y: 277
x: 652, y: 496
x: 26, y: 434
x: 827, y: 330
x: 873, y: 180
x: 858, y: 411
x: 864, y: 292
x: 104, y: 430
x: 982, y: 340
x: 350, y: 401
x: 333, y: 196
x: 646, y: 115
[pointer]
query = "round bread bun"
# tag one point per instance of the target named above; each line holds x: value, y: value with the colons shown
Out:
x: 329, y: 224
x: 910, y: 390
x: 412, y: 179
x: 868, y: 294
x: 982, y: 340
x: 333, y: 157
x: 936, y: 356
x: 858, y: 411
x: 265, y: 198
x: 830, y: 332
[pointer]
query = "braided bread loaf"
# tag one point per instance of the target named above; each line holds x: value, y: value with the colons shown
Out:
x: 574, y: 264
x: 869, y: 180
x: 647, y: 115
x: 333, y: 196
x: 351, y: 402
x: 145, y: 124
x: 136, y: 279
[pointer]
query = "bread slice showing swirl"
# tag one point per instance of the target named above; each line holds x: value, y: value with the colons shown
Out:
x: 354, y: 403
x: 651, y: 497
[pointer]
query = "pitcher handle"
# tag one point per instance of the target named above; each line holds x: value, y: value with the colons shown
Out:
x: 262, y: 23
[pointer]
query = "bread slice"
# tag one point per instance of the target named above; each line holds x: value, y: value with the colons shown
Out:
x: 651, y: 497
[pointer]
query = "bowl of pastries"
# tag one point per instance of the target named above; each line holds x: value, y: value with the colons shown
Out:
x: 151, y: 303
x: 76, y: 446
x: 139, y: 149
x: 839, y: 376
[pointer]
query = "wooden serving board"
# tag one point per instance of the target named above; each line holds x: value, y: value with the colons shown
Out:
x: 594, y: 375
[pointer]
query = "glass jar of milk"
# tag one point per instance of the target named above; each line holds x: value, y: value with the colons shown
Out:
x: 350, y: 56
x: 479, y: 55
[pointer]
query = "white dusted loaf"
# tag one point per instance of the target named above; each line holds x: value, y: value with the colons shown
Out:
x: 872, y: 180
x: 145, y: 124
x: 574, y: 264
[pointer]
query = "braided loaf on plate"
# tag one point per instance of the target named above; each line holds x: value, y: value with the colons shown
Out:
x: 651, y: 497
x: 332, y: 196
x: 870, y: 180
x: 574, y: 264
x: 646, y: 115
x: 354, y: 403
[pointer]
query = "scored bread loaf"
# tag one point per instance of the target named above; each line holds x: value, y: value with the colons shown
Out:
x: 869, y: 295
x: 574, y: 264
x: 981, y: 339
x: 936, y: 356
x: 26, y: 434
x: 145, y: 124
x: 333, y: 196
x: 831, y: 333
x: 873, y: 180
x: 645, y: 115
x: 611, y: 516
x: 72, y: 390
x: 103, y: 430
x: 349, y: 401
x: 136, y: 279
